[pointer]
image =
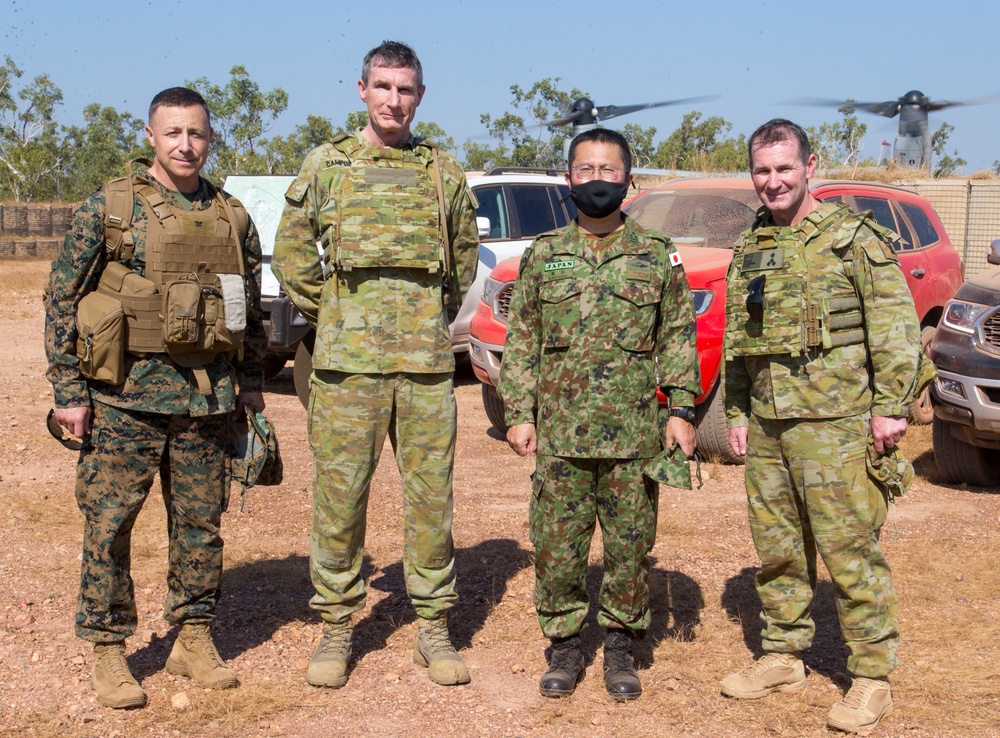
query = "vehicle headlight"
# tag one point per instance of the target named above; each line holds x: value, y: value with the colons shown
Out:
x: 961, y: 316
x: 490, y: 288
x: 702, y: 300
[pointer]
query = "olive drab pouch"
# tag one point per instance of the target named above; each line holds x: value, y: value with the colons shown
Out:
x: 100, y: 341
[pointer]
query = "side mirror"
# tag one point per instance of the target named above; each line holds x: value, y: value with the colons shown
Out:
x: 994, y: 256
x: 483, y: 224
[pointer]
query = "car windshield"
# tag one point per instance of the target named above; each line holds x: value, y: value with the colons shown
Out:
x: 713, y: 218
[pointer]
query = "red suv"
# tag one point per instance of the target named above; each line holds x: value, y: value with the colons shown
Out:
x: 705, y: 217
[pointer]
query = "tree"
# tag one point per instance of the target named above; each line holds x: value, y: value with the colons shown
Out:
x: 946, y: 165
x: 285, y: 155
x: 241, y: 115
x: 435, y: 133
x: 839, y: 144
x: 99, y: 150
x: 640, y: 141
x: 525, y: 144
x: 355, y: 121
x: 698, y: 145
x: 31, y: 151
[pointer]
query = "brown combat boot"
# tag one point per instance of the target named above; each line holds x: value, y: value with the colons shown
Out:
x: 111, y: 679
x: 773, y: 672
x: 194, y: 656
x: 433, y: 650
x: 866, y: 702
x: 328, y: 666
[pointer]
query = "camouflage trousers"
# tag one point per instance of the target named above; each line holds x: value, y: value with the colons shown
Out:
x: 569, y: 496
x: 808, y: 490
x: 114, y: 475
x: 349, y: 418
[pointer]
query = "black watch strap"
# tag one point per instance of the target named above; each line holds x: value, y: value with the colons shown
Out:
x: 683, y: 412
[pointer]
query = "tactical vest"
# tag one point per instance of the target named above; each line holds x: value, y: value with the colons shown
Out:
x: 785, y: 302
x: 389, y: 210
x: 190, y: 302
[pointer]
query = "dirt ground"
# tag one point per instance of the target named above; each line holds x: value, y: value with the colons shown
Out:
x: 941, y: 542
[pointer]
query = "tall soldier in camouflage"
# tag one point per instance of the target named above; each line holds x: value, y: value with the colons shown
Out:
x: 822, y: 343
x: 396, y: 226
x: 168, y: 414
x: 597, y: 304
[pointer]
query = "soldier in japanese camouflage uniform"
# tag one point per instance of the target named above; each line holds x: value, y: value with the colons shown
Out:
x: 158, y: 411
x: 822, y: 345
x: 396, y: 226
x: 600, y: 308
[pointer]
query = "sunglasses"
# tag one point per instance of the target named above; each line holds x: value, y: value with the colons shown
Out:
x: 62, y: 435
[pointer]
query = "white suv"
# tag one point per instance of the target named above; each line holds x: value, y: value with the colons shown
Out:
x: 515, y: 205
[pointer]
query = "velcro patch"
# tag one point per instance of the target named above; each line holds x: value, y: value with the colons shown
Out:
x: 637, y: 268
x: 551, y: 266
x: 757, y: 261
x: 391, y: 176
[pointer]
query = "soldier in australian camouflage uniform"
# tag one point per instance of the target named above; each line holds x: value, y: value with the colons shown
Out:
x: 822, y: 344
x: 396, y: 224
x: 158, y: 420
x: 596, y: 306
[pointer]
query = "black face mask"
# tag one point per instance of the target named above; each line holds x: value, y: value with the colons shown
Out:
x: 597, y: 198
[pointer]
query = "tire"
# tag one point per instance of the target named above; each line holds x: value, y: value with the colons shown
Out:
x: 303, y: 368
x: 960, y: 463
x: 922, y: 409
x: 494, y: 407
x: 710, y: 429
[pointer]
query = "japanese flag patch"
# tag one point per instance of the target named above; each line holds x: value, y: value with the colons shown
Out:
x: 675, y: 259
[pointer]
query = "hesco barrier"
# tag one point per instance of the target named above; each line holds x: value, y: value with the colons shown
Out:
x: 33, y: 230
x: 969, y: 209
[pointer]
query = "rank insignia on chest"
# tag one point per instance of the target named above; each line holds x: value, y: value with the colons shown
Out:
x: 553, y: 266
x: 757, y: 261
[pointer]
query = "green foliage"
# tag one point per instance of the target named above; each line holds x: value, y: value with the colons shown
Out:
x: 947, y: 165
x: 285, y: 155
x: 699, y: 145
x: 355, y: 121
x: 435, y: 133
x: 99, y: 150
x: 31, y: 152
x: 525, y: 144
x: 839, y: 144
x: 640, y: 141
x: 241, y: 115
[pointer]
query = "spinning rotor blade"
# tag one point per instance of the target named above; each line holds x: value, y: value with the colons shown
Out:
x: 887, y: 109
x: 604, y: 112
x: 941, y: 104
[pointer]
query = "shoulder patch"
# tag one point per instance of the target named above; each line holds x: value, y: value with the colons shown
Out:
x: 675, y: 258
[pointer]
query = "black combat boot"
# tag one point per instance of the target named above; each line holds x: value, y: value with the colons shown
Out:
x: 620, y: 678
x: 565, y: 668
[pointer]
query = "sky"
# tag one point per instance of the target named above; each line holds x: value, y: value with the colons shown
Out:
x: 754, y: 55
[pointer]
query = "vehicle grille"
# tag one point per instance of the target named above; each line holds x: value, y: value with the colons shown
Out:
x: 991, y: 330
x: 501, y: 303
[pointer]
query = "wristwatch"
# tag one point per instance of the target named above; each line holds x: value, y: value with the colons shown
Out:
x: 683, y: 412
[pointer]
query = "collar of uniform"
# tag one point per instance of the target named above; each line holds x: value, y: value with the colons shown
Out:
x: 620, y: 241
x: 202, y: 198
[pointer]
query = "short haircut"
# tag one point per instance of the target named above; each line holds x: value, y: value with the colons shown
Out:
x: 392, y: 54
x: 178, y: 97
x: 604, y: 136
x: 779, y: 129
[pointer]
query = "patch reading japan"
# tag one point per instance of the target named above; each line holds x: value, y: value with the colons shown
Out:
x: 551, y: 266
x: 757, y: 261
x: 390, y: 176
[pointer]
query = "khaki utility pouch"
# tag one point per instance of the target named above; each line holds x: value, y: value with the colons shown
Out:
x: 100, y: 342
x: 183, y: 315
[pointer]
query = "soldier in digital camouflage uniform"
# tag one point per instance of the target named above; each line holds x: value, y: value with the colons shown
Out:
x: 596, y: 305
x: 822, y: 344
x: 396, y: 223
x: 161, y: 418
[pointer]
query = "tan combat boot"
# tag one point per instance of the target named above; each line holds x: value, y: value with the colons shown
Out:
x: 866, y: 702
x: 433, y: 649
x: 111, y: 679
x: 194, y: 656
x: 328, y: 666
x: 773, y: 672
